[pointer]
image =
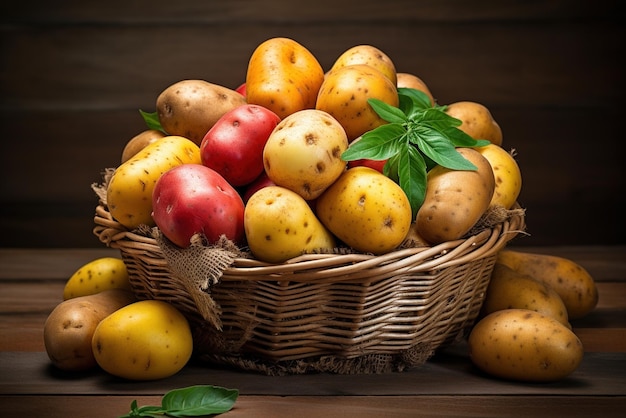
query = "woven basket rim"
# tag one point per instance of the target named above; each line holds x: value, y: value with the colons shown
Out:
x: 325, y: 266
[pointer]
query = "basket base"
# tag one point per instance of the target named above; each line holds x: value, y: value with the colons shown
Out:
x: 367, y: 364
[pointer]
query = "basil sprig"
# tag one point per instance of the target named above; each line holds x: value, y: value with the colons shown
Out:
x: 192, y: 401
x: 418, y: 137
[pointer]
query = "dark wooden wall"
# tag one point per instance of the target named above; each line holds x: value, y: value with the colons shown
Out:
x: 74, y: 74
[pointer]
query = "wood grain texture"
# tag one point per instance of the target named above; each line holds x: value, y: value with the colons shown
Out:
x: 75, y: 75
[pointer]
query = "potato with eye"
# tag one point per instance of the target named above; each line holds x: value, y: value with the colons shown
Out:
x: 303, y: 153
x: 476, y: 121
x: 345, y: 92
x: 455, y: 199
x: 283, y: 76
x: 189, y: 108
x: 368, y: 55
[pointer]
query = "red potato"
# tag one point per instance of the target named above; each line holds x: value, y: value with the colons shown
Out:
x: 262, y: 181
x: 194, y: 199
x: 234, y: 145
x: 241, y: 89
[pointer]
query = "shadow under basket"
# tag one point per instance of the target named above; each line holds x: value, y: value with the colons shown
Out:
x: 343, y: 313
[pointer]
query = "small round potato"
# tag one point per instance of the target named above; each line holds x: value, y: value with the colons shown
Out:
x: 476, y: 121
x: 414, y: 82
x: 139, y: 142
x: 520, y: 344
x: 345, y: 93
x: 303, y: 153
x: 368, y: 55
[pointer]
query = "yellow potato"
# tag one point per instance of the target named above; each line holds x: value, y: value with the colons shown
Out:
x: 129, y: 193
x: 509, y: 289
x: 145, y: 340
x: 368, y: 55
x: 280, y: 225
x: 571, y: 281
x: 344, y: 94
x: 139, y: 142
x: 476, y: 121
x: 414, y: 82
x: 506, y: 173
x: 97, y: 275
x: 366, y: 210
x: 69, y: 328
x: 455, y: 199
x: 303, y: 153
x: 189, y: 108
x: 523, y: 345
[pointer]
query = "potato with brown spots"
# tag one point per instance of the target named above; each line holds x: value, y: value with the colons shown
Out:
x: 189, y: 108
x: 280, y: 225
x: 570, y: 280
x: 523, y: 345
x: 303, y: 153
x: 455, y: 199
x: 345, y: 92
x: 506, y: 173
x: 509, y: 289
x: 366, y: 210
x: 368, y: 55
x: 476, y: 121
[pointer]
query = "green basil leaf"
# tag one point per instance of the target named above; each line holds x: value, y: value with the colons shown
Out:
x: 386, y: 111
x: 199, y: 400
x: 152, y: 120
x: 412, y: 177
x: 441, y: 151
x: 418, y: 97
x: 378, y: 144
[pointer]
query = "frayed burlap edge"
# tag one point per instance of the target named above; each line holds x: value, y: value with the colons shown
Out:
x: 366, y: 364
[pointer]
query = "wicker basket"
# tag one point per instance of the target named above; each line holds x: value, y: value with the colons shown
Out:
x: 339, y: 313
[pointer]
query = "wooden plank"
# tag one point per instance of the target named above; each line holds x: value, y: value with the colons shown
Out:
x: 451, y: 373
x: 122, y: 12
x: 94, y: 67
x: 335, y: 406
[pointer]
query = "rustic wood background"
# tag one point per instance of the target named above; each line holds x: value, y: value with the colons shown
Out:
x: 74, y: 74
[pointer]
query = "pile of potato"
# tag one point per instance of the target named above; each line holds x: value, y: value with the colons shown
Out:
x: 295, y: 194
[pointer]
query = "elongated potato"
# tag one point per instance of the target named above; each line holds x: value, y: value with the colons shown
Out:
x: 506, y: 173
x: 520, y: 344
x: 97, y: 275
x: 129, y: 193
x: 509, y: 289
x: 570, y: 280
x: 189, y: 108
x: 69, y: 328
x: 455, y: 199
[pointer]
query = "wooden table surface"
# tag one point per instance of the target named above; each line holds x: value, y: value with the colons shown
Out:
x: 31, y: 283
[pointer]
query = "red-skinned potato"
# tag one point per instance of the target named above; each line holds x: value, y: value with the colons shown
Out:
x: 260, y: 182
x: 194, y: 199
x: 234, y: 145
